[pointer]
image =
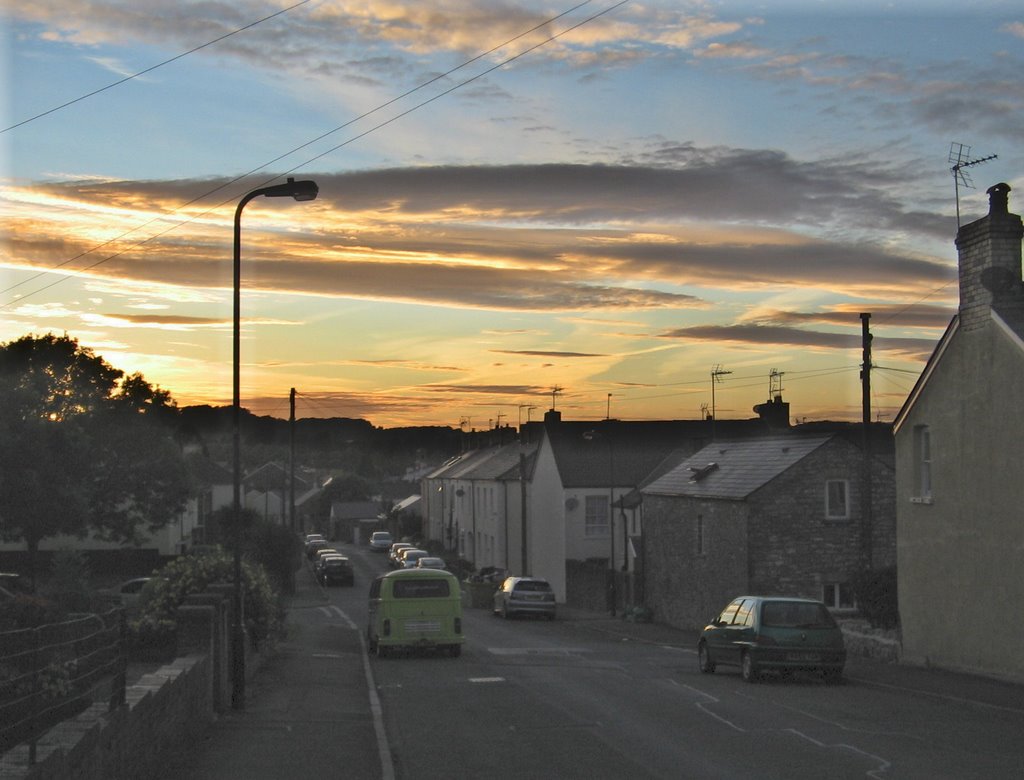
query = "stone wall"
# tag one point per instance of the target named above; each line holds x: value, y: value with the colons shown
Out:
x: 163, y: 710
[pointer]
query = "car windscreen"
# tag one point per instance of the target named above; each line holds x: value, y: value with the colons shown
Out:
x: 420, y: 589
x: 542, y: 587
x: 796, y: 614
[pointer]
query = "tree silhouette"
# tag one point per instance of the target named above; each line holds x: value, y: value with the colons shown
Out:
x: 84, y: 449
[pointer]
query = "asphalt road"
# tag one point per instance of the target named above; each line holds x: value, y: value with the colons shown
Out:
x: 586, y: 698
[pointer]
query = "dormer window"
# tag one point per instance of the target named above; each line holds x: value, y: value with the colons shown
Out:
x: 700, y: 472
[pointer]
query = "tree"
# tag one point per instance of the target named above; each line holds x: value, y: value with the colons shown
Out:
x: 83, y: 447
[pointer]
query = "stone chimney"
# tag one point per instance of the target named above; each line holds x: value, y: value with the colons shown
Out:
x: 990, y: 259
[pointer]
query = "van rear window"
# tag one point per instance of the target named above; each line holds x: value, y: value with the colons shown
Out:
x: 420, y: 589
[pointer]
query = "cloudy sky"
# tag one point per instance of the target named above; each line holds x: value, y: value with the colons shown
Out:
x: 613, y: 199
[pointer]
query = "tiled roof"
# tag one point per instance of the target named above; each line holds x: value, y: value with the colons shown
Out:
x: 733, y: 469
x: 613, y: 452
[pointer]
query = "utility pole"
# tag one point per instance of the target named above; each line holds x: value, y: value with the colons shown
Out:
x: 865, y: 384
x: 291, y: 461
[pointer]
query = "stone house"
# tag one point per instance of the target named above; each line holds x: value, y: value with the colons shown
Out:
x: 959, y: 488
x: 773, y: 514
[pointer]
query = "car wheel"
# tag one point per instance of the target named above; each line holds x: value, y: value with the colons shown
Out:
x: 455, y: 651
x: 704, y: 659
x: 747, y: 668
x: 504, y: 612
x: 371, y: 643
x: 382, y: 651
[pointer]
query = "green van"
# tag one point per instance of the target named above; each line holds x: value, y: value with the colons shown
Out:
x: 415, y: 608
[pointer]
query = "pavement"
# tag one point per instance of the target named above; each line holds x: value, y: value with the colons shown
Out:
x: 287, y: 730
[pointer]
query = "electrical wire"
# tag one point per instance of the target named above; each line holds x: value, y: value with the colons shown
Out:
x: 152, y: 67
x: 292, y: 151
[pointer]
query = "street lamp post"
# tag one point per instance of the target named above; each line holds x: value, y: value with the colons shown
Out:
x: 301, y: 191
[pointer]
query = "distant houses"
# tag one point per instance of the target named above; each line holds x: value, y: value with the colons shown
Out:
x: 617, y: 513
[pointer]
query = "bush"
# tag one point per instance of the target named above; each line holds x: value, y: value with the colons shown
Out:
x: 194, y: 573
x: 875, y: 591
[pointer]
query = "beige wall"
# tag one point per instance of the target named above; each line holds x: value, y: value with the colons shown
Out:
x: 961, y: 557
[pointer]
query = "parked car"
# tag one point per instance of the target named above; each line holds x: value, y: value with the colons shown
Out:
x: 400, y: 556
x: 381, y: 541
x: 396, y: 548
x: 337, y: 569
x: 430, y: 562
x: 319, y: 554
x: 409, y: 557
x: 759, y: 633
x: 322, y: 556
x: 415, y: 608
x: 128, y: 592
x: 525, y: 595
x: 315, y: 546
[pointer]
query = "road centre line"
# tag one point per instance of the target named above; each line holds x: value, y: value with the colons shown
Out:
x: 538, y: 650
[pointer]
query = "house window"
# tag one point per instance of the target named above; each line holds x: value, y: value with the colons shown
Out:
x: 837, y: 499
x: 838, y: 595
x: 922, y: 463
x: 700, y: 535
x: 596, y: 519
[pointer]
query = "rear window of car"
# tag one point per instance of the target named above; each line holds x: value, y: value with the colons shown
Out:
x: 420, y: 589
x: 336, y: 563
x: 534, y: 586
x: 795, y: 614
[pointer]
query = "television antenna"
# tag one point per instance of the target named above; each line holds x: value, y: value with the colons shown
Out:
x: 960, y: 156
x: 555, y: 392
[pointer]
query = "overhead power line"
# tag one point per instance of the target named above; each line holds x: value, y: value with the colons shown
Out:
x: 150, y: 69
x: 335, y: 148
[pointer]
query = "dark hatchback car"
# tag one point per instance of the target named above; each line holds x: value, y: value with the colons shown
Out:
x: 761, y: 633
x: 337, y: 570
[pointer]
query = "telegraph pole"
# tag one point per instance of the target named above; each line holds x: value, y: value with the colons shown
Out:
x: 291, y: 461
x: 865, y: 385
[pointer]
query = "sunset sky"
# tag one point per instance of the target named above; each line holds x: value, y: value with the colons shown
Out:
x: 613, y: 202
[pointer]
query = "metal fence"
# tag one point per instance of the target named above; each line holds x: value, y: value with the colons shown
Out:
x: 53, y: 672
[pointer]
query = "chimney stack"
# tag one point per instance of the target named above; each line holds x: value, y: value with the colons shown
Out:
x: 988, y: 249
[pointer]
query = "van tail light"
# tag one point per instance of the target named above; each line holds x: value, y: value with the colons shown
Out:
x: 458, y: 625
x: 387, y: 627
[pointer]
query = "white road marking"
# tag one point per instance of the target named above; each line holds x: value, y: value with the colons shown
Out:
x: 538, y: 650
x: 486, y: 679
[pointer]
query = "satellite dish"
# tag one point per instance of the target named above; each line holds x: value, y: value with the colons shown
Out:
x: 998, y: 279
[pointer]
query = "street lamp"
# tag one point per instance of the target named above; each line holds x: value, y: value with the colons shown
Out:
x: 299, y: 190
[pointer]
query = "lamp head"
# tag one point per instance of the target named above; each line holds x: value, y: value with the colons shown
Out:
x: 306, y: 189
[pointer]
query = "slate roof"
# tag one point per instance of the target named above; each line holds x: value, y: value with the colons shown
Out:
x: 207, y: 472
x: 733, y: 469
x: 623, y: 454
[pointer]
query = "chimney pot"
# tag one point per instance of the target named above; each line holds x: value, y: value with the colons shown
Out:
x: 999, y: 198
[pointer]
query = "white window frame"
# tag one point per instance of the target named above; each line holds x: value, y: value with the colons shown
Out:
x: 595, y: 516
x: 841, y: 591
x: 830, y: 513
